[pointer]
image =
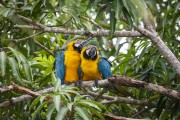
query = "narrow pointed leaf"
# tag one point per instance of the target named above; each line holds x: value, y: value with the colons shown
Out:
x: 112, y: 22
x: 51, y: 108
x: 3, y: 63
x: 14, y: 67
x: 57, y: 101
x: 38, y: 109
x: 82, y: 112
x: 61, y: 114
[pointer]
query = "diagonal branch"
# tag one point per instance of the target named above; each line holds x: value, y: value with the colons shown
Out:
x: 24, y: 39
x: 43, y: 47
x: 30, y: 21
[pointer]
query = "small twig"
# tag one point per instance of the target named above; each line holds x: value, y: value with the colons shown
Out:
x: 91, y: 21
x: 139, y: 112
x: 118, y: 99
x: 43, y: 47
x: 60, y: 24
x: 24, y: 39
x: 100, y: 94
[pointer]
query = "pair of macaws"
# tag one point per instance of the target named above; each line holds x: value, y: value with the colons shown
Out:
x: 81, y: 61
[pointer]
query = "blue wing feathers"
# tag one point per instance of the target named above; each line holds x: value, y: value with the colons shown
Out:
x: 104, y: 67
x: 60, y: 67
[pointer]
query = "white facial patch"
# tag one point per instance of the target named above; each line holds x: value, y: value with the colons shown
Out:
x: 87, y: 51
x: 76, y: 45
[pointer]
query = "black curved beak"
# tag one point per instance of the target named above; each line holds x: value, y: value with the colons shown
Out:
x: 81, y: 45
x: 92, y: 52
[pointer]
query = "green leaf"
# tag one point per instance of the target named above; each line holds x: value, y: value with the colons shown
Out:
x: 3, y: 62
x: 61, y: 3
x: 89, y: 104
x: 97, y: 103
x: 61, y: 114
x: 51, y: 108
x: 118, y: 8
x: 37, y: 6
x: 38, y: 109
x: 160, y: 106
x: 49, y: 6
x: 80, y: 97
x: 70, y: 105
x: 16, y: 54
x: 14, y: 67
x: 26, y: 67
x: 128, y: 17
x: 97, y: 113
x: 112, y: 22
x: 35, y: 102
x: 82, y: 112
x: 42, y: 99
x: 57, y: 102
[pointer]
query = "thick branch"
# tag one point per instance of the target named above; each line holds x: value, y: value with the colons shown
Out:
x: 130, y: 82
x: 81, y: 32
x: 161, y: 46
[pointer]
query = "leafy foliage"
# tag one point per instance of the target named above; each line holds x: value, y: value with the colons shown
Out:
x: 26, y: 63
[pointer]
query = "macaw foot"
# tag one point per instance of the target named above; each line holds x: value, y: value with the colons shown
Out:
x: 75, y: 83
x: 96, y: 82
x: 68, y: 83
x: 78, y: 83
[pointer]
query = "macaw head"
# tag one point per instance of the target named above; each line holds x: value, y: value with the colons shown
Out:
x: 90, y: 52
x: 76, y: 45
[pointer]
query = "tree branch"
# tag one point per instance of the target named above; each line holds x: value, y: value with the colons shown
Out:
x: 24, y: 39
x: 118, y: 99
x: 43, y: 47
x: 30, y: 21
x: 25, y: 90
x: 91, y: 21
x: 82, y: 32
x: 16, y: 100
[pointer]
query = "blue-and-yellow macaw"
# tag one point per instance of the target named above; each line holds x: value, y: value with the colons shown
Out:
x: 92, y: 66
x: 67, y: 62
